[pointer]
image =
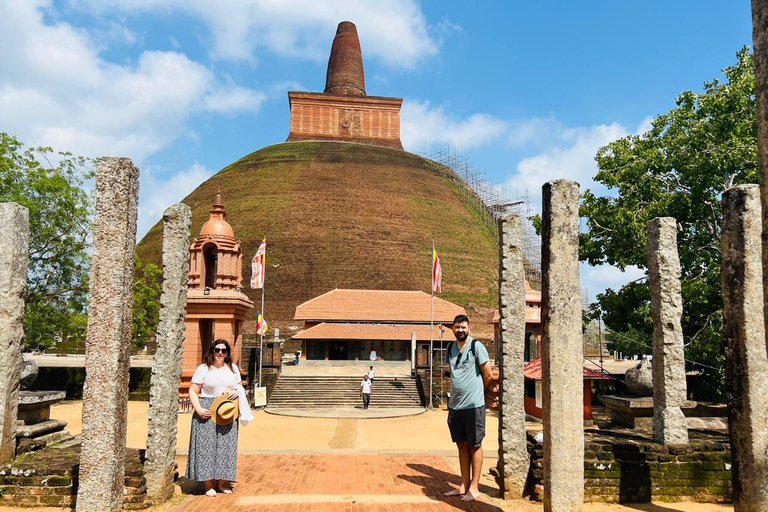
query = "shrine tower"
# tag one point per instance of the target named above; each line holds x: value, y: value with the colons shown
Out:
x: 343, y: 112
x: 216, y: 306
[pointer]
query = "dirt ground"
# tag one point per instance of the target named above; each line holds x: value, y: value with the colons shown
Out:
x: 425, y: 433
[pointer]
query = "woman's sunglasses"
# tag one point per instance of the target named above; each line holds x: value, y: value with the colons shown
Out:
x: 220, y: 350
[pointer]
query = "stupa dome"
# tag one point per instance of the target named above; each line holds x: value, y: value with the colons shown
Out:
x: 217, y: 224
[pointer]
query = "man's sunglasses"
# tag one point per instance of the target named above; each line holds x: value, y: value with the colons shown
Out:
x: 220, y: 350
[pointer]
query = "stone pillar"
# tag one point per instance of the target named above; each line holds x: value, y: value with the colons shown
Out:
x: 166, y: 369
x: 669, y: 387
x: 562, y: 349
x: 105, y: 394
x: 14, y: 260
x: 746, y: 359
x: 513, y: 446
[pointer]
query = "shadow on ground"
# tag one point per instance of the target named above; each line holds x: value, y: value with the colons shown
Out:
x: 435, y: 483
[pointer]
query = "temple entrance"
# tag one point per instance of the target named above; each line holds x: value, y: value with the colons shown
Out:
x: 341, y: 351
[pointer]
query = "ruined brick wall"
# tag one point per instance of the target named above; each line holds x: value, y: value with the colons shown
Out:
x: 626, y: 469
x: 362, y: 119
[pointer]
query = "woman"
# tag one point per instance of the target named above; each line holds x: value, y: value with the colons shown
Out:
x: 212, y: 447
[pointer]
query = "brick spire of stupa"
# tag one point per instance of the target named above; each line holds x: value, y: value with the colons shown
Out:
x: 345, y: 66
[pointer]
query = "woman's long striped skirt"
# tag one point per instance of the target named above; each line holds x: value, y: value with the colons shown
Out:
x: 212, y: 448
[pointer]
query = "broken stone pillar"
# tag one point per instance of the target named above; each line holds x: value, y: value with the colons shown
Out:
x: 160, y: 464
x: 746, y: 359
x: 513, y: 446
x: 14, y: 260
x: 669, y: 386
x: 562, y: 349
x: 108, y: 338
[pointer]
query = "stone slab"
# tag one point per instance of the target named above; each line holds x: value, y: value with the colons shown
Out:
x: 42, y: 428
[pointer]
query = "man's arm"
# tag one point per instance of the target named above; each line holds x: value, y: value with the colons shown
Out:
x: 485, y: 369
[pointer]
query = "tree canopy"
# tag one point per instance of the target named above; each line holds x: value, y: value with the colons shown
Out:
x: 60, y: 226
x: 703, y: 146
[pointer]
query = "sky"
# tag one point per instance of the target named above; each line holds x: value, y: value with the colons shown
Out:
x: 527, y: 91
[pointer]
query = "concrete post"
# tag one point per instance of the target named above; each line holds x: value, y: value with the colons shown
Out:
x: 14, y: 260
x: 669, y: 386
x: 105, y: 394
x: 513, y: 446
x: 562, y: 349
x: 166, y: 369
x: 746, y: 359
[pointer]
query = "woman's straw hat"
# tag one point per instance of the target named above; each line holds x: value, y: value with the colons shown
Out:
x: 223, y: 410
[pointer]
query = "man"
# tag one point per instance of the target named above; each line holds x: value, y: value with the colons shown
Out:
x: 371, y: 374
x: 365, y: 391
x: 470, y: 379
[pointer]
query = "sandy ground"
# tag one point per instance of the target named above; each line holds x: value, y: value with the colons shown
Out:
x: 425, y: 433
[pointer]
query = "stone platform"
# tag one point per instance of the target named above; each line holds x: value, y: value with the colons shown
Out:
x: 637, y: 412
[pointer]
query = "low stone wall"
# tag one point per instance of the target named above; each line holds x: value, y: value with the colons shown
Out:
x: 49, y: 478
x: 627, y: 467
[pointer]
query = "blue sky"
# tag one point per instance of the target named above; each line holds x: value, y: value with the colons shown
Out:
x: 527, y: 90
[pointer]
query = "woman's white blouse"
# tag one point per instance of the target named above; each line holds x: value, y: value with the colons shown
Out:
x: 216, y: 380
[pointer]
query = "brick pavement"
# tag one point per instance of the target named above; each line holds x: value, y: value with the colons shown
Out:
x: 344, y: 483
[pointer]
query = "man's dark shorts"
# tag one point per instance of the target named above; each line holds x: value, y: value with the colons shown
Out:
x: 467, y: 425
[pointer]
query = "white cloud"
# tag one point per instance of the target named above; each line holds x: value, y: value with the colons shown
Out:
x: 645, y: 125
x: 56, y: 90
x: 394, y: 31
x: 598, y: 278
x: 422, y: 125
x: 570, y: 155
x: 158, y: 191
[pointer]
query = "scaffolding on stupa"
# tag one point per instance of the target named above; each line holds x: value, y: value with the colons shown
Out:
x: 473, y: 185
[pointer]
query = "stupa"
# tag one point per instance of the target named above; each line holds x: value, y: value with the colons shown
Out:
x: 343, y: 111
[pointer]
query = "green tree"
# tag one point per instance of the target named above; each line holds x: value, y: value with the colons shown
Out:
x: 60, y: 226
x: 679, y: 168
x: 146, y: 303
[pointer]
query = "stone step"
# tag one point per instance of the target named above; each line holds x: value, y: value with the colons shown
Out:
x: 330, y: 391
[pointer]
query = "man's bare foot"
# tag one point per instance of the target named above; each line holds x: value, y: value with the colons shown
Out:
x: 471, y: 496
x: 456, y: 492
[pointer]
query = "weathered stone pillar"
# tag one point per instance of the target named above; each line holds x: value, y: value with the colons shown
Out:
x: 513, y: 446
x: 669, y: 386
x: 760, y: 53
x: 166, y: 368
x: 562, y: 349
x: 14, y: 260
x: 746, y: 359
x: 105, y: 394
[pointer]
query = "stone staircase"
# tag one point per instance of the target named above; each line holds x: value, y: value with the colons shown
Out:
x: 320, y: 392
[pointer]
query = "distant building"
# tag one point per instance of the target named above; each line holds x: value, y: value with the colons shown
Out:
x: 349, y: 324
x: 532, y: 325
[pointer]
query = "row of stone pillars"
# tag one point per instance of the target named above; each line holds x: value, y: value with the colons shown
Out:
x: 107, y: 362
x: 562, y: 352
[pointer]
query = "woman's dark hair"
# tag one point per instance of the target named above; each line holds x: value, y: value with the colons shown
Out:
x: 209, y: 357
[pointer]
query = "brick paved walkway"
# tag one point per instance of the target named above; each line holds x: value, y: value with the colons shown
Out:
x: 345, y: 483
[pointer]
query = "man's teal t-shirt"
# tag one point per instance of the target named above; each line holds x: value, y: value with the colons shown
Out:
x: 467, y: 391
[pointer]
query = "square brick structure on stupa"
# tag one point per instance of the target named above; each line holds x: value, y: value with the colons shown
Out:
x: 343, y: 112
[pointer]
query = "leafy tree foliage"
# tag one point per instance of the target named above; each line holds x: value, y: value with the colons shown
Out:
x: 679, y: 168
x: 60, y: 226
x: 146, y: 303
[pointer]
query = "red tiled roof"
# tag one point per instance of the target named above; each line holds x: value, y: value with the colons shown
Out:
x: 532, y: 371
x: 376, y: 306
x: 374, y: 332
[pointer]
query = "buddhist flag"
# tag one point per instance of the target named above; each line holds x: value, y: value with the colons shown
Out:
x: 437, y: 273
x: 261, y: 324
x: 257, y: 266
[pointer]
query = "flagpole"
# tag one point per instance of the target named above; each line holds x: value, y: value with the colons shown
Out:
x: 261, y: 342
x: 431, y: 326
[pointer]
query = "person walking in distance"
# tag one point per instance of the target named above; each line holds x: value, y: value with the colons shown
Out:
x: 365, y: 391
x: 470, y: 380
x: 371, y: 374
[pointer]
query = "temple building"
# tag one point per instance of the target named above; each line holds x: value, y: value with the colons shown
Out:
x: 216, y: 306
x: 350, y: 324
x: 343, y: 112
